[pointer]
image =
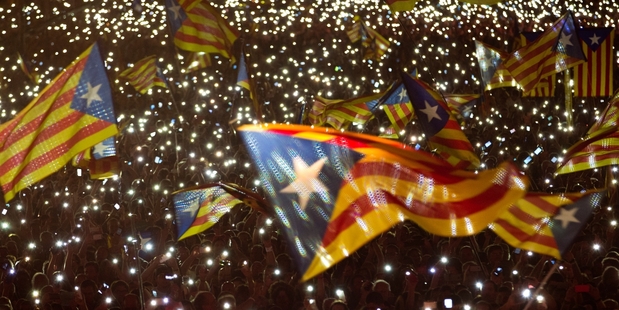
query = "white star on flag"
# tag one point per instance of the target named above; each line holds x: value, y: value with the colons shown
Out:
x: 99, y: 149
x: 431, y: 112
x: 91, y: 95
x: 307, y: 181
x: 595, y: 39
x: 176, y: 10
x: 402, y: 94
x: 566, y: 39
x: 566, y: 217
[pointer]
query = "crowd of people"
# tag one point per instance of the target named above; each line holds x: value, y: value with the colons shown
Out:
x: 69, y: 242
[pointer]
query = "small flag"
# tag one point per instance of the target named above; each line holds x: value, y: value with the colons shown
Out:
x: 199, y: 208
x: 556, y: 50
x: 594, y: 78
x: 198, y: 61
x: 144, y: 75
x: 461, y: 105
x: 242, y: 79
x: 398, y: 107
x: 341, y: 113
x: 25, y: 68
x: 101, y: 160
x: 334, y: 191
x: 440, y: 127
x: 72, y: 114
x: 376, y: 45
x: 546, y: 223
x: 198, y: 27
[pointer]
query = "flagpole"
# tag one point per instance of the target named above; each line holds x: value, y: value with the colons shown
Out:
x: 541, y: 286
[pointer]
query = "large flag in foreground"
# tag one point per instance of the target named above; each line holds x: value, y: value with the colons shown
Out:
x: 440, y: 127
x: 341, y: 113
x: 144, y: 75
x: 199, y: 208
x: 546, y: 223
x: 198, y: 27
x: 556, y: 50
x: 334, y: 191
x: 73, y: 113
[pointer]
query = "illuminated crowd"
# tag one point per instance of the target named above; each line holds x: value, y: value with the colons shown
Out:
x: 69, y: 241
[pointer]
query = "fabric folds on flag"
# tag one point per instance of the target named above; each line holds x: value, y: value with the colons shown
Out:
x: 144, y: 75
x: 546, y: 223
x: 398, y: 107
x: 594, y: 78
x: 27, y: 70
x: 341, y: 113
x: 440, y: 127
x: 334, y: 191
x: 493, y: 73
x: 198, y: 27
x: 72, y: 114
x: 198, y: 61
x: 376, y: 45
x: 401, y: 5
x: 199, y: 208
x: 461, y: 105
x: 556, y: 50
x: 546, y: 86
x: 101, y: 160
x: 600, y: 147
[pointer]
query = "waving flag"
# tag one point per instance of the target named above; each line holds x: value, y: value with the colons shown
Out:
x: 440, y: 127
x: 376, y: 45
x: 546, y: 223
x: 198, y: 27
x: 72, y: 114
x: 199, y: 208
x: 145, y: 74
x: 556, y: 50
x: 198, y: 61
x: 242, y: 79
x: 340, y: 113
x: 25, y: 68
x: 101, y: 160
x: 546, y: 86
x: 398, y: 107
x: 333, y: 192
x: 493, y: 73
x: 401, y: 5
x: 461, y: 104
x: 594, y: 78
x: 600, y: 147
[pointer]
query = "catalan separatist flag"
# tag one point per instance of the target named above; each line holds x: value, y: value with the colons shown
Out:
x: 461, y: 104
x: 440, y: 127
x: 398, y: 107
x: 334, y: 191
x: 198, y: 209
x: 341, y: 113
x: 493, y: 73
x: 401, y: 5
x: 198, y: 27
x: 144, y: 75
x: 594, y: 78
x: 600, y: 147
x: 354, y: 33
x: 546, y: 86
x: 242, y: 79
x: 198, y: 61
x: 27, y: 70
x: 101, y: 160
x: 72, y: 114
x: 546, y: 223
x: 556, y: 50
x: 376, y: 45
